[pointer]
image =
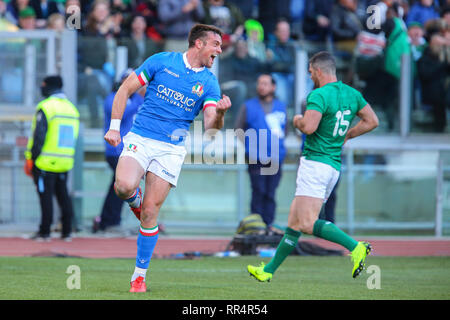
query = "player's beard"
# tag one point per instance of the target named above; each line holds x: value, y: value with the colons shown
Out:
x: 207, y: 62
x: 265, y: 97
x: 316, y: 83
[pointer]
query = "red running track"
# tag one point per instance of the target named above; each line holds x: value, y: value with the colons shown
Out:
x: 166, y: 246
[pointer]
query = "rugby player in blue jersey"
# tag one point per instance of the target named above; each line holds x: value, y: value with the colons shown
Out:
x: 179, y: 86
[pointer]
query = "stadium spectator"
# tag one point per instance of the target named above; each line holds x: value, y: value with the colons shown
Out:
x: 227, y: 17
x: 418, y: 45
x: 56, y: 22
x: 445, y: 14
x: 27, y: 19
x: 297, y: 12
x: 100, y: 22
x: 397, y: 44
x: 110, y: 217
x: 255, y: 40
x: 49, y: 155
x: 382, y: 9
x: 178, y: 17
x: 140, y: 47
x: 45, y: 8
x: 86, y: 6
x: 281, y: 57
x: 238, y: 73
x: 94, y: 62
x: 271, y: 12
x: 6, y: 18
x: 397, y: 41
x: 149, y: 10
x: 264, y: 112
x: 403, y: 8
x: 345, y: 25
x: 247, y: 7
x: 13, y: 9
x: 316, y: 22
x: 124, y: 7
x: 369, y: 67
x: 422, y: 11
x: 434, y: 70
x: 416, y: 36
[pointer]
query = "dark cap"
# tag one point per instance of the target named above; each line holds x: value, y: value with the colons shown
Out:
x: 54, y: 82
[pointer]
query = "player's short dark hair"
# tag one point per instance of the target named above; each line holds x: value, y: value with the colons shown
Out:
x: 200, y: 31
x: 324, y: 61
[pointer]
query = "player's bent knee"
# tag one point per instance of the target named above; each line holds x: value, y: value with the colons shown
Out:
x: 306, y: 226
x: 123, y: 188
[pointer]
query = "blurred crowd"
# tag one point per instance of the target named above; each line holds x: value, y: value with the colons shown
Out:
x: 260, y: 36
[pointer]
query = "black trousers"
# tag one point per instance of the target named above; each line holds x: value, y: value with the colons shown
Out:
x: 263, y: 192
x: 112, y: 206
x: 47, y: 185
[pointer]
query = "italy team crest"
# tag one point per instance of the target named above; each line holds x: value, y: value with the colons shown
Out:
x: 198, y: 89
x: 132, y: 147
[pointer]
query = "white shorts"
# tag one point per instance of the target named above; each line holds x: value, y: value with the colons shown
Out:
x: 161, y: 158
x: 315, y: 179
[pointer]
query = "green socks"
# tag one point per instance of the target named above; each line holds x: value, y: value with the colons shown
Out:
x: 329, y: 231
x: 322, y: 229
x: 285, y: 247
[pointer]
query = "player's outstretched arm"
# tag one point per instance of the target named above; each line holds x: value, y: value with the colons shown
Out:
x: 368, y: 121
x: 128, y: 87
x: 214, y: 117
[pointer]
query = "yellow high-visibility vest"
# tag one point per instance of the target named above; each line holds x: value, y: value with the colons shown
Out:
x: 58, y: 151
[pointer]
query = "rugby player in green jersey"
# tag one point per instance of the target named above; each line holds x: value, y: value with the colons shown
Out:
x: 330, y: 109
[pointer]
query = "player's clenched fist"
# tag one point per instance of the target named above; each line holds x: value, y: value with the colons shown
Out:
x: 296, y: 120
x: 223, y: 104
x: 113, y: 137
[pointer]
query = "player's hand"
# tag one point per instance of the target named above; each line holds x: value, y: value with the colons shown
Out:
x: 223, y: 105
x: 113, y: 137
x: 28, y: 167
x: 297, y: 118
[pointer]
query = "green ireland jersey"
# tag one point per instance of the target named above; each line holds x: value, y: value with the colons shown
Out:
x: 338, y: 103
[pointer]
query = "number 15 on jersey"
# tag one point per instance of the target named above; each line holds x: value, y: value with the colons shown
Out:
x: 341, y: 125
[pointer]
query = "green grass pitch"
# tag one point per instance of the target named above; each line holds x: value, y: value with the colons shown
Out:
x: 211, y: 278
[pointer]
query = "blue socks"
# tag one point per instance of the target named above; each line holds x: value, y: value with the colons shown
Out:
x: 146, y: 243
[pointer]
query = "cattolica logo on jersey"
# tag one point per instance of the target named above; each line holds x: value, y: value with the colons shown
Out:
x: 198, y: 89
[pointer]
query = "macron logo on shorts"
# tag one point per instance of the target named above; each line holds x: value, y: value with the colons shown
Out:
x: 169, y: 174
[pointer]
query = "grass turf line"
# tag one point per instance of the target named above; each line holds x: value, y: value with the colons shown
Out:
x: 212, y: 278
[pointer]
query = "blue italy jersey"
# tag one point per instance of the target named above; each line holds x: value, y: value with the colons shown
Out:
x: 175, y: 94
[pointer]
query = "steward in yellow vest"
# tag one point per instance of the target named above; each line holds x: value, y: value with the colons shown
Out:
x: 50, y: 154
